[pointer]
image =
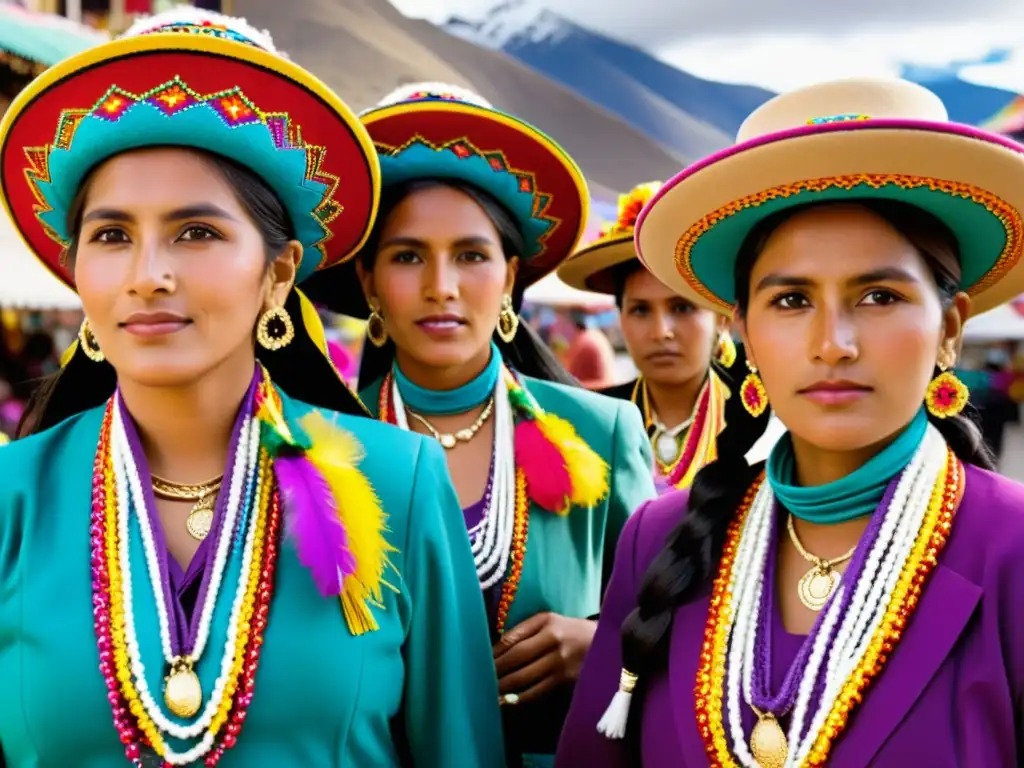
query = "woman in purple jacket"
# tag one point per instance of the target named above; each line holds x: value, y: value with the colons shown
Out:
x: 857, y: 601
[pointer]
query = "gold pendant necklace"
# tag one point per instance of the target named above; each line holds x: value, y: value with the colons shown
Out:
x: 819, y: 584
x: 183, y: 693
x: 448, y: 440
x: 204, y: 496
x: 768, y: 742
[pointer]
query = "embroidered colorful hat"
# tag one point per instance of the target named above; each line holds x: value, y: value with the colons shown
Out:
x: 433, y: 130
x: 591, y: 267
x: 189, y: 78
x: 843, y: 140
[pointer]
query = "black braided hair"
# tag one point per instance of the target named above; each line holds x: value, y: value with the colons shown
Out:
x: 689, y: 559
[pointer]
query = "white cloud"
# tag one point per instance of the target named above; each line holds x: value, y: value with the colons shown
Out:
x: 788, y: 43
x: 781, y: 61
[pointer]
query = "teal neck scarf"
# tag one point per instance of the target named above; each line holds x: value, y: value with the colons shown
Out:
x: 850, y: 497
x: 445, y: 402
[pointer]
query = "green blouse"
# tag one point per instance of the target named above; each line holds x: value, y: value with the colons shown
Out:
x: 423, y: 684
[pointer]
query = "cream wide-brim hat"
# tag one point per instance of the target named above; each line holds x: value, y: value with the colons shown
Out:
x: 843, y: 140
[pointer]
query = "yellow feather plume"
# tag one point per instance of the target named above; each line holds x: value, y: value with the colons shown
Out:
x: 336, y: 454
x: 588, y: 472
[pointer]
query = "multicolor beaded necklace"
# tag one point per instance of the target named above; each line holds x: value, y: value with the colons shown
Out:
x: 854, y: 635
x: 538, y: 457
x: 270, y: 462
x: 699, y: 447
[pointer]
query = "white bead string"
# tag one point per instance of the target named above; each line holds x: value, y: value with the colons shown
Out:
x: 869, y: 603
x: 128, y: 490
x: 491, y: 539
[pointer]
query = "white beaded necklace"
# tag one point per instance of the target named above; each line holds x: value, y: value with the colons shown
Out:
x: 130, y: 496
x: 871, y: 597
x: 492, y: 539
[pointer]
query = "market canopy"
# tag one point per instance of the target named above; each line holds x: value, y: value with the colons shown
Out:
x: 27, y: 284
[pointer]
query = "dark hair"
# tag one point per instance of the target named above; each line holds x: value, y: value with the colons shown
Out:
x: 527, y: 353
x: 300, y: 368
x: 692, y: 550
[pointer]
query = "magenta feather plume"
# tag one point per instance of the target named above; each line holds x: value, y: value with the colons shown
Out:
x: 547, y: 478
x: 312, y: 522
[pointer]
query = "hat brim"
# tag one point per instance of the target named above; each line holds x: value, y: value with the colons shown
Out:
x: 232, y: 99
x: 521, y: 167
x: 690, y: 234
x: 592, y: 268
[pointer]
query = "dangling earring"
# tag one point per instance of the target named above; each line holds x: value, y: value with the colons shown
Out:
x: 752, y: 393
x: 87, y: 341
x: 725, y: 353
x: 375, y: 330
x: 281, y: 335
x: 508, y: 320
x: 946, y: 395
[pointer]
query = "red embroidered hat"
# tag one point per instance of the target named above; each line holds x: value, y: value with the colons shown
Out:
x: 189, y: 78
x: 433, y: 130
x: 844, y: 140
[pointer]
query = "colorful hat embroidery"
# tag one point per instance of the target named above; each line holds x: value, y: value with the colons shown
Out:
x: 196, y: 80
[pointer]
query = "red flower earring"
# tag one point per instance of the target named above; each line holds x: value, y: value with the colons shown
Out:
x: 946, y: 395
x: 754, y: 398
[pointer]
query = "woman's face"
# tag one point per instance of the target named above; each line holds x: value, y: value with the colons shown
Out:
x: 171, y: 270
x: 845, y: 325
x: 439, y: 278
x: 669, y: 339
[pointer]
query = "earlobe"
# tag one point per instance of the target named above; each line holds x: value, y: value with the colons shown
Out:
x: 510, y: 274
x: 365, y: 277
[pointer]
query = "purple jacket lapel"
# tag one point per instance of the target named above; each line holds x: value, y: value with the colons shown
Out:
x: 687, y: 639
x: 944, y: 611
x: 946, y: 606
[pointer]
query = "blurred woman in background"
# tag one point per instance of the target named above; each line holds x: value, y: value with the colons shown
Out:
x: 683, y: 353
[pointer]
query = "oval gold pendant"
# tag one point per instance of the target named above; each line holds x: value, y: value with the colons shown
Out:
x: 768, y: 742
x: 817, y: 586
x: 448, y: 441
x: 183, y: 693
x: 200, y: 519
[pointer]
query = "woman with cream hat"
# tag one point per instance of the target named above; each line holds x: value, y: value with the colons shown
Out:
x: 309, y: 606
x: 683, y: 352
x: 855, y: 602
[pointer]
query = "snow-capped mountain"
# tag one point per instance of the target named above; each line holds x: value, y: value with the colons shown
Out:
x: 679, y: 110
x: 511, y: 21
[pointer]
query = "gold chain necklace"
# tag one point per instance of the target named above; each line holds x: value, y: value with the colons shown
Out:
x: 818, y: 584
x: 200, y: 517
x: 449, y: 439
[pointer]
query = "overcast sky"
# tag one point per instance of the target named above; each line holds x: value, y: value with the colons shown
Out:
x: 785, y: 43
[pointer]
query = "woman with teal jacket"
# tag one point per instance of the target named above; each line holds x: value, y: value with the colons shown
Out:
x: 208, y: 555
x: 476, y: 206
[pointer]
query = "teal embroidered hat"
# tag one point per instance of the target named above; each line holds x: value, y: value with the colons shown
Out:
x: 194, y: 79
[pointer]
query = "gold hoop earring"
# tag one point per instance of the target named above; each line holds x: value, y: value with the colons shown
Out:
x: 376, y: 332
x: 275, y: 330
x: 508, y: 320
x: 87, y: 341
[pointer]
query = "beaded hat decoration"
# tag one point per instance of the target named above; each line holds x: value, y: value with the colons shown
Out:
x: 841, y: 141
x: 589, y: 269
x: 193, y: 79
